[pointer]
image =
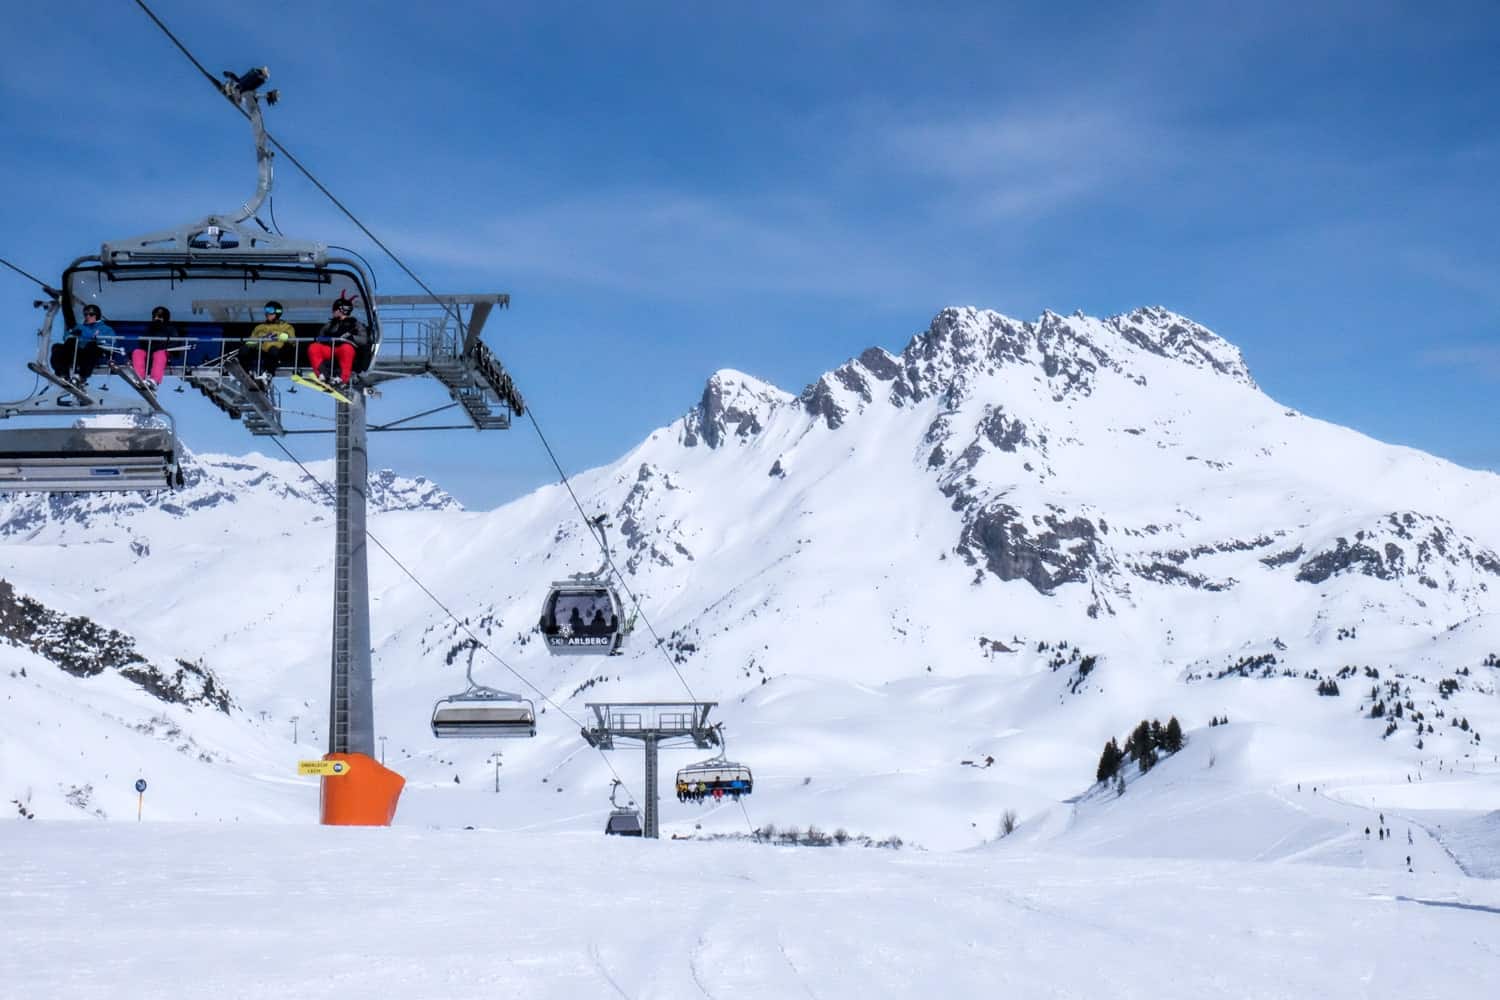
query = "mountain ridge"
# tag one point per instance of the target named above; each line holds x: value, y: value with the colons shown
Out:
x: 872, y: 577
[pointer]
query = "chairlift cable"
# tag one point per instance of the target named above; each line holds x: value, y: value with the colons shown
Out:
x: 608, y: 558
x: 27, y: 274
x: 291, y: 157
x: 478, y: 642
x: 452, y: 312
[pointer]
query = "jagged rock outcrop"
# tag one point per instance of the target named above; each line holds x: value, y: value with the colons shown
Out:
x: 1402, y: 545
x: 83, y: 648
x: 733, y: 405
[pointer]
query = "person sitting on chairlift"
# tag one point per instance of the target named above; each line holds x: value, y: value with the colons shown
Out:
x: 342, y: 338
x: 149, y: 356
x: 268, y: 343
x: 80, y: 350
x: 597, y: 624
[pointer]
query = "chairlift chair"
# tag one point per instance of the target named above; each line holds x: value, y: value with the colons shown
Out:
x: 718, y: 773
x: 214, y: 276
x: 480, y: 712
x: 65, y: 437
x: 583, y: 615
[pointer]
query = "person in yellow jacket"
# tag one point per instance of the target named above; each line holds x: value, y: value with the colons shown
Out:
x: 268, y: 345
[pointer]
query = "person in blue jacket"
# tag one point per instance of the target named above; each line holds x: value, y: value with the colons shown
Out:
x: 80, y: 350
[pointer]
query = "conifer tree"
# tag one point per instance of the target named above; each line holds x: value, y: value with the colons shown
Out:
x: 1109, y: 762
x: 1173, y: 738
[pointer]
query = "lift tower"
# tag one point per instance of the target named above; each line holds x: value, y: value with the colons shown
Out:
x: 212, y: 278
x: 655, y: 724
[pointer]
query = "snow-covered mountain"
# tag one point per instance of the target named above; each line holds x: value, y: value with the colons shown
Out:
x: 925, y: 591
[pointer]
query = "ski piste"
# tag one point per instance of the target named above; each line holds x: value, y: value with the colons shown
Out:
x: 320, y: 387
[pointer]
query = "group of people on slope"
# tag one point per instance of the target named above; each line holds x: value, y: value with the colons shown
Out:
x: 697, y: 791
x: 343, y: 340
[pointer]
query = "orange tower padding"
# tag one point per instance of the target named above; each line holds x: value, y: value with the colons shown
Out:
x: 366, y: 796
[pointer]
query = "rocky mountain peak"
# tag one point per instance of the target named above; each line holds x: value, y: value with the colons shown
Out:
x: 733, y: 404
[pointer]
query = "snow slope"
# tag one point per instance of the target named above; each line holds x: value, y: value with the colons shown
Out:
x: 925, y: 591
x: 229, y: 911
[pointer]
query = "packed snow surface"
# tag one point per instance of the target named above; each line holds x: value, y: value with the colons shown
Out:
x: 177, y: 910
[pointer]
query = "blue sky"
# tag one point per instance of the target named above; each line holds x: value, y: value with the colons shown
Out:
x: 670, y: 189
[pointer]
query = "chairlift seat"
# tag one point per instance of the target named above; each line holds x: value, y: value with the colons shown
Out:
x: 481, y: 717
x: 82, y: 458
x: 718, y: 774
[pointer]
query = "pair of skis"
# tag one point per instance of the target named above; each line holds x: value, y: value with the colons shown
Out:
x: 320, y: 386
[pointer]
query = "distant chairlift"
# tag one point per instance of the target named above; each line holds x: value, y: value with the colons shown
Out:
x: 583, y: 615
x: 714, y: 778
x: 624, y: 821
x: 480, y: 712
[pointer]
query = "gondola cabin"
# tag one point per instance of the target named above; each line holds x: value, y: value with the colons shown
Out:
x: 583, y: 618
x: 623, y: 822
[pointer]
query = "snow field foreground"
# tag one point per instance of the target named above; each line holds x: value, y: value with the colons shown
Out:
x: 224, y: 911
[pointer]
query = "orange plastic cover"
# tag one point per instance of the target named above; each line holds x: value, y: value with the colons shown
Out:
x: 365, y: 796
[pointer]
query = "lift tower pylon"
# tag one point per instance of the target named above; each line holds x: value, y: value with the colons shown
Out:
x: 351, y: 704
x: 655, y: 724
x: 204, y: 287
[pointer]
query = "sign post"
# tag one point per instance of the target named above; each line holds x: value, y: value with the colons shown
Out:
x: 324, y: 768
x: 140, y: 797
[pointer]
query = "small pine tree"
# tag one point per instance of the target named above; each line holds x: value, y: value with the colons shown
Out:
x: 1174, y: 738
x: 1109, y: 762
x: 1140, y: 741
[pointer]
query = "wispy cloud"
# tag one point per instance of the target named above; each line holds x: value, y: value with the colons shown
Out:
x: 687, y: 245
x: 1007, y: 164
x: 1481, y: 358
x: 1476, y: 278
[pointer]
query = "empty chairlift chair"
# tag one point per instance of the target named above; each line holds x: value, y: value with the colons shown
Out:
x: 65, y: 438
x: 480, y: 712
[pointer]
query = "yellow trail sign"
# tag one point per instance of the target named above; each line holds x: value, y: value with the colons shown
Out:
x: 324, y: 768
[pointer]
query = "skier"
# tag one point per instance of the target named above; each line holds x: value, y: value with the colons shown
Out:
x: 263, y: 350
x: 149, y: 355
x: 80, y: 349
x: 344, y: 339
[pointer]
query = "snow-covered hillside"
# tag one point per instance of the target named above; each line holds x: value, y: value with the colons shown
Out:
x: 925, y: 591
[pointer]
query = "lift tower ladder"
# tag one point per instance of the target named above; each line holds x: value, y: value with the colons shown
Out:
x: 655, y: 724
